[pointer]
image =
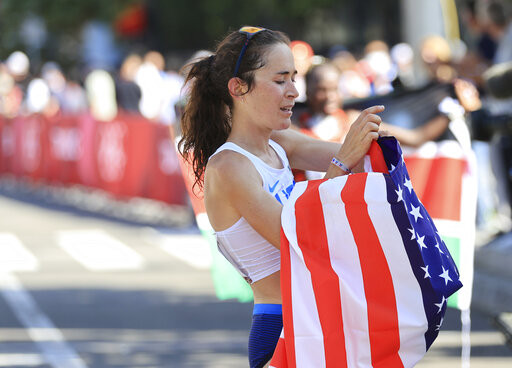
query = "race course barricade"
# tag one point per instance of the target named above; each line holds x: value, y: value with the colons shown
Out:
x: 128, y: 157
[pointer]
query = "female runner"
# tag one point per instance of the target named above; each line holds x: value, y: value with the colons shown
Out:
x: 235, y: 133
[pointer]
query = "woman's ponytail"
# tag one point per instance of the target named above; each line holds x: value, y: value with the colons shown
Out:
x: 205, y: 122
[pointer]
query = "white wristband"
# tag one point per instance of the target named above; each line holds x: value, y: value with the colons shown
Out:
x: 341, y: 165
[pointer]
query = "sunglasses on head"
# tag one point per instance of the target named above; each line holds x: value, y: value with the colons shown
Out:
x: 249, y: 32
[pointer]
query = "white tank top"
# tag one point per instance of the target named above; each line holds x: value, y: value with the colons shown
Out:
x: 253, y: 256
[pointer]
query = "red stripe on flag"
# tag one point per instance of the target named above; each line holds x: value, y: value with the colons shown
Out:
x: 378, y: 285
x: 377, y: 159
x: 438, y: 184
x: 286, y: 293
x: 279, y: 359
x: 312, y: 240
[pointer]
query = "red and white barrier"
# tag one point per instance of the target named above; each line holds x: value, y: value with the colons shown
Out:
x: 129, y: 156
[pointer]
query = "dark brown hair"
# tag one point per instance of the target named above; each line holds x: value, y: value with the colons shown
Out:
x: 205, y: 123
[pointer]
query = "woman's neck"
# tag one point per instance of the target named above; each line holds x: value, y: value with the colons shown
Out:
x: 250, y: 136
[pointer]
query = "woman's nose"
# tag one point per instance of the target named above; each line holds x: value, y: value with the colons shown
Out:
x: 293, y: 92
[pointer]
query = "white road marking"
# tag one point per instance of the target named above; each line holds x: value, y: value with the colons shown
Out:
x: 192, y: 249
x: 55, y: 350
x: 10, y: 360
x: 96, y: 250
x: 14, y: 256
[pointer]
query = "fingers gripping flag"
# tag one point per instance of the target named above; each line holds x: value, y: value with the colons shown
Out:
x: 364, y: 273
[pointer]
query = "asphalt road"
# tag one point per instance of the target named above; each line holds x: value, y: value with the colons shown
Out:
x: 80, y: 290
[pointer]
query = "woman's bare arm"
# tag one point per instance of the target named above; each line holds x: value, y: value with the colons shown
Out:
x: 233, y: 189
x: 307, y: 153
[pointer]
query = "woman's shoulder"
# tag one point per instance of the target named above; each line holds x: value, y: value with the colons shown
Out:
x: 229, y: 167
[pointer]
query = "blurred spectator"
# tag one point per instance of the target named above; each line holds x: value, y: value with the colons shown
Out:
x: 323, y: 118
x: 11, y: 95
x: 101, y: 95
x: 128, y: 93
x: 303, y: 57
x: 74, y: 99
x: 353, y: 82
x: 18, y: 68
x: 38, y: 96
x: 67, y: 97
x: 18, y: 65
x: 149, y: 78
x: 498, y: 25
x: 99, y: 50
x: 402, y: 56
x: 380, y: 70
x: 479, y: 41
x: 173, y: 83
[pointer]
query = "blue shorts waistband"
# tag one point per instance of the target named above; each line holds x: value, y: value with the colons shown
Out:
x: 261, y: 308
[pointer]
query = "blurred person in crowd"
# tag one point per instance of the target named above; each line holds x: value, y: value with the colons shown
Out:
x: 235, y: 133
x: 101, y: 95
x: 38, y: 98
x: 74, y: 98
x: 437, y: 58
x: 18, y: 69
x: 402, y: 56
x: 353, y: 82
x: 324, y: 117
x: 128, y: 93
x: 481, y: 46
x: 11, y: 95
x: 493, y: 204
x: 150, y: 79
x: 303, y: 56
x: 379, y: 68
x: 498, y: 24
x: 99, y: 49
x: 173, y: 84
x: 67, y: 96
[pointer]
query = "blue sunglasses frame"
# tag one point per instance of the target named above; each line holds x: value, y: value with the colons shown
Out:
x: 250, y: 32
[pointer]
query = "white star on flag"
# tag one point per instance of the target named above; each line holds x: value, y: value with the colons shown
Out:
x: 408, y: 184
x: 415, y: 212
x: 445, y: 276
x: 439, y: 325
x: 392, y: 167
x: 440, y: 305
x: 421, y: 241
x: 439, y: 248
x: 399, y: 194
x: 426, y: 271
x: 413, y: 236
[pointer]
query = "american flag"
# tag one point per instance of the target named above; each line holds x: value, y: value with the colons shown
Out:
x: 364, y: 273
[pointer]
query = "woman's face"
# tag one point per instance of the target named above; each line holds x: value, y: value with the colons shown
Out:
x: 272, y: 97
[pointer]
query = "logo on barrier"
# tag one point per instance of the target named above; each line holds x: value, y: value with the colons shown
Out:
x: 167, y: 158
x: 111, y: 152
x: 65, y: 143
x: 31, y: 146
x: 7, y: 141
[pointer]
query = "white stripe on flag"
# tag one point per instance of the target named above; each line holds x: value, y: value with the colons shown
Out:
x: 304, y: 310
x: 348, y: 268
x: 407, y: 291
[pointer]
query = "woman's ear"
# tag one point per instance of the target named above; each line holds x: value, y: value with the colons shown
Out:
x: 237, y: 87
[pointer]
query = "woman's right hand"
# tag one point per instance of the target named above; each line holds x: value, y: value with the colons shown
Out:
x: 363, y: 131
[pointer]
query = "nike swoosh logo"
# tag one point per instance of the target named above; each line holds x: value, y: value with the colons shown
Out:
x: 273, y: 187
